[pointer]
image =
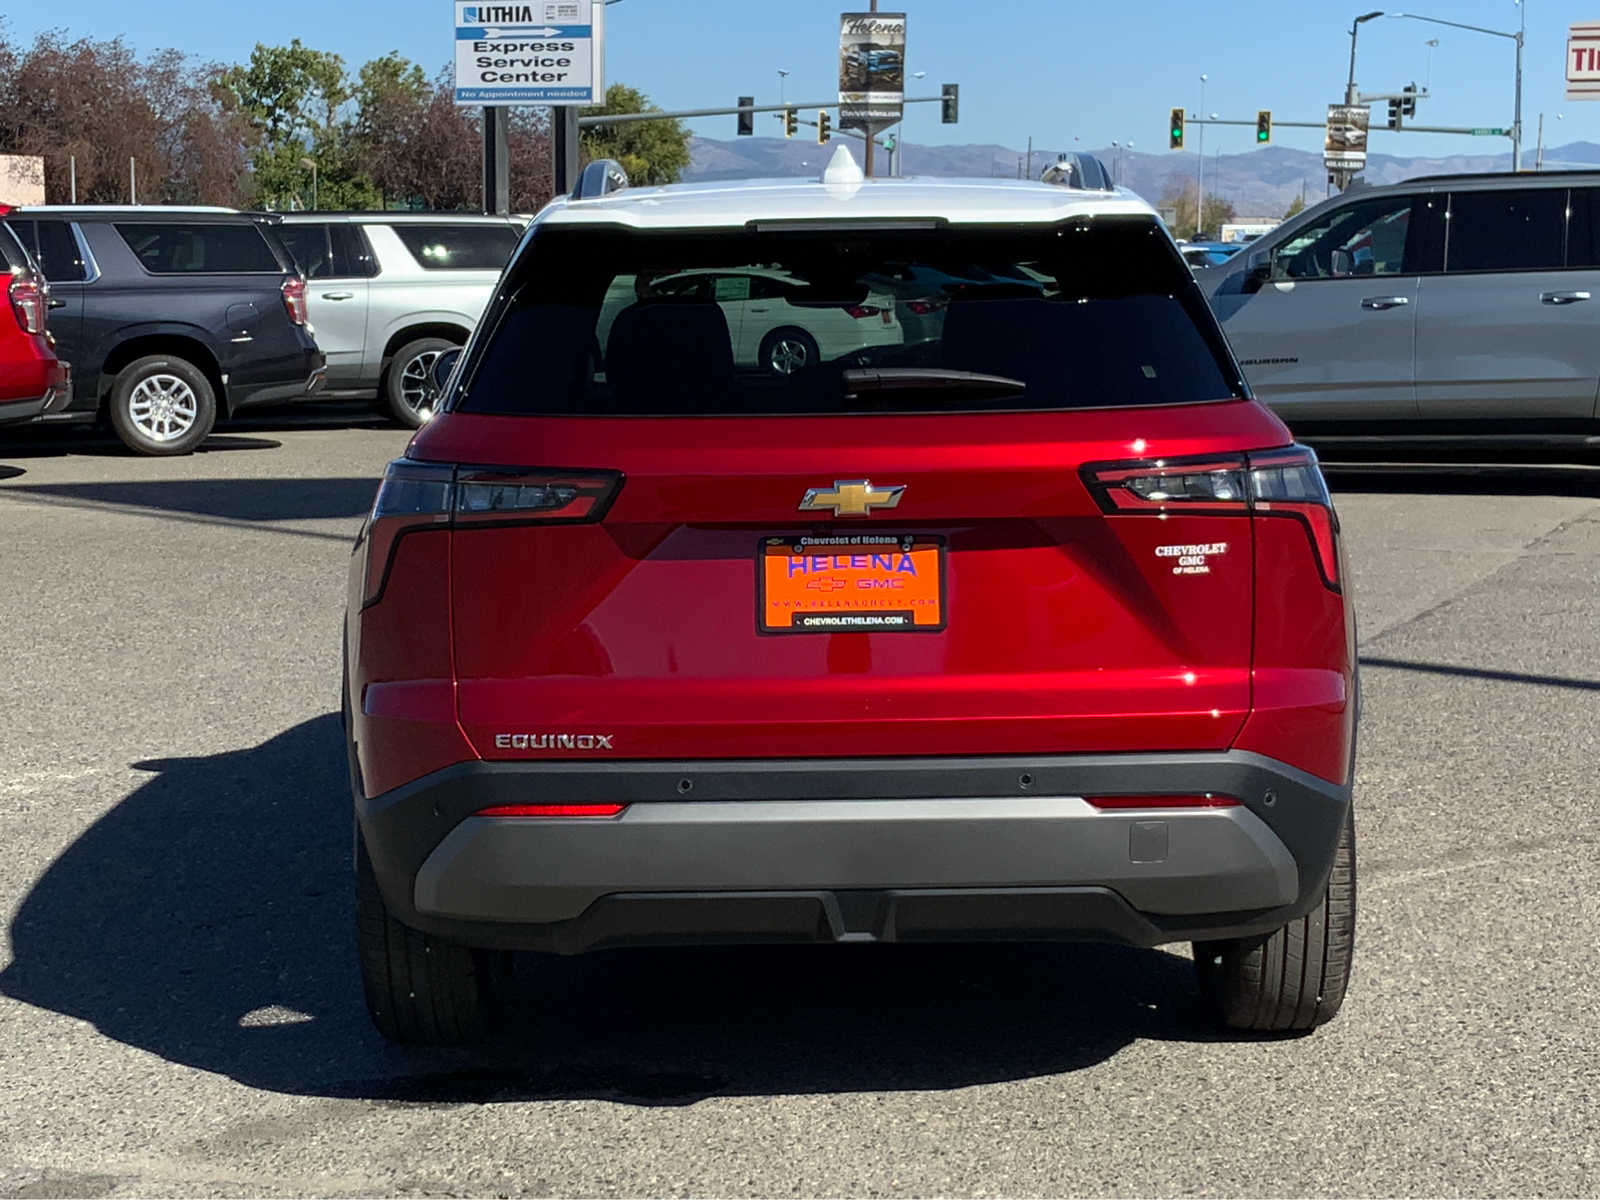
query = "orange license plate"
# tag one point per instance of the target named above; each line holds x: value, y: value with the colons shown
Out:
x: 851, y: 583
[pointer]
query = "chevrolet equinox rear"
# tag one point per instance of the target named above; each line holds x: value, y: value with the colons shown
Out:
x: 1031, y: 627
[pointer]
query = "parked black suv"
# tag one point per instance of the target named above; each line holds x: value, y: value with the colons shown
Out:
x: 172, y: 318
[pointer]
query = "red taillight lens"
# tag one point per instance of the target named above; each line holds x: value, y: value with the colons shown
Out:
x: 862, y: 311
x: 294, y: 299
x: 28, y: 303
x: 1288, y: 483
x: 553, y: 810
x: 1270, y: 483
x: 923, y: 307
x: 1198, y: 800
x: 417, y: 496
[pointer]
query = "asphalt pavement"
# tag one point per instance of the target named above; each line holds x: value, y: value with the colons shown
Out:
x: 180, y: 1011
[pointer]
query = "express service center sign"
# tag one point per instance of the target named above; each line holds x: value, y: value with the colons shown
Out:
x: 872, y: 70
x: 538, y: 52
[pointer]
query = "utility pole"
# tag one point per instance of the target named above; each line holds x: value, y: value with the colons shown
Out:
x: 872, y: 133
x: 1200, y: 165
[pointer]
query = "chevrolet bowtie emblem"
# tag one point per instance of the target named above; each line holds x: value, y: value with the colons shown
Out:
x: 851, y: 498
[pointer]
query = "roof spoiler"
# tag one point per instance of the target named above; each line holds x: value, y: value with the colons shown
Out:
x: 600, y: 178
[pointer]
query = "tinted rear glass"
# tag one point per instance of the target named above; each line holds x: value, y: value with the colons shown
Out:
x: 11, y: 255
x: 459, y: 247
x: 605, y: 321
x: 173, y: 249
x: 314, y: 251
x: 1507, y: 230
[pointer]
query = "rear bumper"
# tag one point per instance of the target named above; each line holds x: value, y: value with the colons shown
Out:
x: 51, y: 388
x: 872, y: 850
x: 300, y: 388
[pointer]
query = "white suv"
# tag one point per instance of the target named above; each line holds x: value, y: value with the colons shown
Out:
x: 389, y: 292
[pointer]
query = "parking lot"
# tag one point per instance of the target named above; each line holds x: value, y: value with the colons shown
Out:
x: 180, y: 1010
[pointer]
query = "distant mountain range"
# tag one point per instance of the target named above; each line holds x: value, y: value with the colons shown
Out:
x: 1260, y: 183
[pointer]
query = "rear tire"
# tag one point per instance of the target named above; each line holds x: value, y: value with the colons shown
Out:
x: 788, y: 350
x: 1293, y: 979
x: 408, y: 390
x: 162, y: 405
x: 422, y: 990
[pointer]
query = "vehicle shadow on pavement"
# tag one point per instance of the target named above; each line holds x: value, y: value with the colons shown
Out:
x: 63, y: 443
x: 234, y: 499
x: 208, y: 919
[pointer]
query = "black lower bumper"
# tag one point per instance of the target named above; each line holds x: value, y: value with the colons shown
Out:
x: 855, y: 850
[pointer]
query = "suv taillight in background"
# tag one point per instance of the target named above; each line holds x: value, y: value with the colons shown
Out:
x: 415, y: 496
x: 28, y: 303
x: 294, y: 299
x: 1266, y: 483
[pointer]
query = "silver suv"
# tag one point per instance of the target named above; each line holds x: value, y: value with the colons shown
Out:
x: 1459, y: 306
x: 389, y: 292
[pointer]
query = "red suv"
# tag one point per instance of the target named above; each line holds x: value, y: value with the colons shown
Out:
x: 1031, y: 628
x: 32, y: 378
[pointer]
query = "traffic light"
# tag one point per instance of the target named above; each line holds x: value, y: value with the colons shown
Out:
x: 950, y: 106
x: 1408, y: 101
x: 1394, y: 114
x: 824, y: 126
x: 1175, y: 140
x: 791, y: 122
x: 1263, y: 127
x: 747, y: 120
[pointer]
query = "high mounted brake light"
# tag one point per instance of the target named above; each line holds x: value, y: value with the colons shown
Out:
x: 416, y: 496
x: 1271, y: 483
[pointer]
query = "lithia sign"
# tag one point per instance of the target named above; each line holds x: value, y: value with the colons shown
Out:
x: 532, y: 52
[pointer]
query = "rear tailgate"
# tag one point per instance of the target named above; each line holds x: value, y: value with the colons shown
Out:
x: 1060, y: 629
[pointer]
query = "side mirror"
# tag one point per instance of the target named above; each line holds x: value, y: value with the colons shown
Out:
x: 443, y: 366
x: 1258, y: 272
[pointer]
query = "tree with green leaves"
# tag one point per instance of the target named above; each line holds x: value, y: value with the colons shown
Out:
x: 1296, y: 207
x: 296, y: 100
x: 651, y: 152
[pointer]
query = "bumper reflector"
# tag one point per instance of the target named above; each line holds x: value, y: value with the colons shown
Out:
x: 1201, y: 800
x: 552, y: 810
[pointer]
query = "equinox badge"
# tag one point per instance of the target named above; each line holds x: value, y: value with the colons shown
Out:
x: 851, y: 498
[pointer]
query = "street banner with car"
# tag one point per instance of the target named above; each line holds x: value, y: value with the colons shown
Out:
x: 872, y: 70
x: 540, y: 52
x: 1345, y: 142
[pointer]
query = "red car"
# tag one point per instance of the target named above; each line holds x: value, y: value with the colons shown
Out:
x: 1034, y: 629
x: 32, y: 379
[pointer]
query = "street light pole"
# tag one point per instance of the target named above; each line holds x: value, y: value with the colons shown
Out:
x: 1350, y: 86
x: 1200, y: 168
x: 1519, y: 37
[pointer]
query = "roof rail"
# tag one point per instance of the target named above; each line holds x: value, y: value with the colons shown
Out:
x: 600, y: 178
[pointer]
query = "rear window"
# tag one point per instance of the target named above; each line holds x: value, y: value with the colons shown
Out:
x: 605, y: 321
x: 459, y: 247
x: 172, y: 249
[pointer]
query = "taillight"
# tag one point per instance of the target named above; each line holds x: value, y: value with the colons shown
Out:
x: 553, y: 810
x: 1196, y: 800
x: 862, y: 311
x: 1288, y: 483
x: 28, y: 303
x: 923, y: 307
x: 418, y: 496
x: 1269, y: 483
x: 294, y: 299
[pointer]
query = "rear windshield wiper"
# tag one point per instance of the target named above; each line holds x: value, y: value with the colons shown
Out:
x: 925, y: 379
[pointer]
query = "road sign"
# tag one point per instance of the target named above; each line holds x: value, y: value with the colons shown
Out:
x: 872, y: 70
x: 1495, y: 131
x: 534, y: 52
x: 1583, y: 61
x: 1344, y: 145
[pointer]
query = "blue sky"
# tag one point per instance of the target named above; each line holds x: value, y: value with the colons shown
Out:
x: 1058, y: 70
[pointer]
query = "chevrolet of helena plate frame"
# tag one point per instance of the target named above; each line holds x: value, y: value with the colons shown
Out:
x: 851, y: 583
